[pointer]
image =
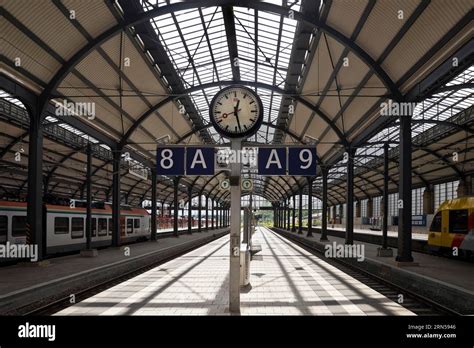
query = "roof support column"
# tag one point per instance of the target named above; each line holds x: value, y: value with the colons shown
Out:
x: 89, y: 197
x: 153, y: 205
x: 310, y: 207
x: 350, y: 197
x: 279, y: 216
x: 293, y: 228
x: 285, y: 206
x: 385, y: 250
x: 207, y: 213
x: 212, y: 214
x: 190, y: 213
x: 199, y: 211
x: 428, y: 200
x: 175, y: 206
x: 324, y: 222
x: 300, y: 212
x: 288, y: 223
x: 404, y: 194
x: 35, y: 234
x: 117, y: 155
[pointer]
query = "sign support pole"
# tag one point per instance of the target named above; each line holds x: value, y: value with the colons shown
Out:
x: 235, y: 203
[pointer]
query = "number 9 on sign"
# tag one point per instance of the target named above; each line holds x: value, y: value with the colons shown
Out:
x: 302, y: 161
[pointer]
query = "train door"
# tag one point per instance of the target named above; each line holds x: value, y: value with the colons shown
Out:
x: 137, y: 225
x: 129, y: 224
x: 445, y: 237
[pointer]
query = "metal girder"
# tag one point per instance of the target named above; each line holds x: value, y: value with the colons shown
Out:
x: 461, y: 127
x: 154, y: 46
x: 442, y: 158
x: 444, y: 72
x: 296, y: 70
x: 140, y: 18
x: 229, y: 24
x: 333, y: 77
x: 275, y: 89
x: 15, y: 141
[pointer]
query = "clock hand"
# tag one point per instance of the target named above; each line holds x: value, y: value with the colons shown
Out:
x: 238, y: 121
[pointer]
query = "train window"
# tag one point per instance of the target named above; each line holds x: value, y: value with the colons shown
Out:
x: 77, y: 227
x: 129, y: 226
x: 136, y: 223
x: 19, y: 226
x: 3, y: 229
x: 458, y: 221
x: 102, y: 227
x: 436, y: 223
x: 61, y: 225
x: 94, y: 227
x: 110, y: 227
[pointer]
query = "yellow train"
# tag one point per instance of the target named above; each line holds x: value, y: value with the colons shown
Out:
x: 453, y: 226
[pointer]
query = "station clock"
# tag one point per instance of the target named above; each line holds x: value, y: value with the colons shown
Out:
x: 236, y: 112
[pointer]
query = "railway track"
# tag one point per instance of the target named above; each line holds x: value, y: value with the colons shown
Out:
x: 415, y: 303
x: 54, y: 306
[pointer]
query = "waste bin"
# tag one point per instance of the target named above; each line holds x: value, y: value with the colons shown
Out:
x: 244, y: 265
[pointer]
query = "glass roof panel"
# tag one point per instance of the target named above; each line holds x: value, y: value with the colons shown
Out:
x: 196, y: 43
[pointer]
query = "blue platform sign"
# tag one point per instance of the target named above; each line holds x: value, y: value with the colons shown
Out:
x: 272, y: 161
x: 302, y: 161
x: 200, y: 161
x: 170, y: 161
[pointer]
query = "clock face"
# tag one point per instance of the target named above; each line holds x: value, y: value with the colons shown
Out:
x: 236, y: 112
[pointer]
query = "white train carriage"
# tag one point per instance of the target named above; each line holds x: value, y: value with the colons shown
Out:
x: 66, y: 227
x: 12, y: 222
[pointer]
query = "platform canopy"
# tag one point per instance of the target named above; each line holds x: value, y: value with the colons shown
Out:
x: 150, y: 68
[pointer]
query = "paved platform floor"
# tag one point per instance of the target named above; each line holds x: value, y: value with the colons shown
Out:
x: 448, y: 270
x: 21, y: 276
x: 285, y: 279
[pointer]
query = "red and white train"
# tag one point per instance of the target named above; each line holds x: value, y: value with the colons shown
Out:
x: 65, y: 225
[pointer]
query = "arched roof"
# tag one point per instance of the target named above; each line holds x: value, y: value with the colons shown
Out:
x: 142, y: 62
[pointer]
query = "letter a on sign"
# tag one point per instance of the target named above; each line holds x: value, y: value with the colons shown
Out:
x: 200, y: 161
x: 272, y: 161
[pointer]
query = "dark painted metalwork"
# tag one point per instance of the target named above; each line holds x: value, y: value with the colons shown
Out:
x: 190, y: 216
x: 88, y: 197
x: 153, y: 204
x: 116, y: 198
x: 207, y: 213
x: 212, y: 214
x: 175, y: 206
x: 350, y: 196
x: 385, y: 197
x: 300, y: 211
x: 199, y: 212
x: 404, y: 194
x: 310, y: 207
x: 293, y: 227
x: 288, y: 215
x: 324, y: 222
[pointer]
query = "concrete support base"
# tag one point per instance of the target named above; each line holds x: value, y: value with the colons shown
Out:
x: 382, y: 252
x: 90, y: 253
